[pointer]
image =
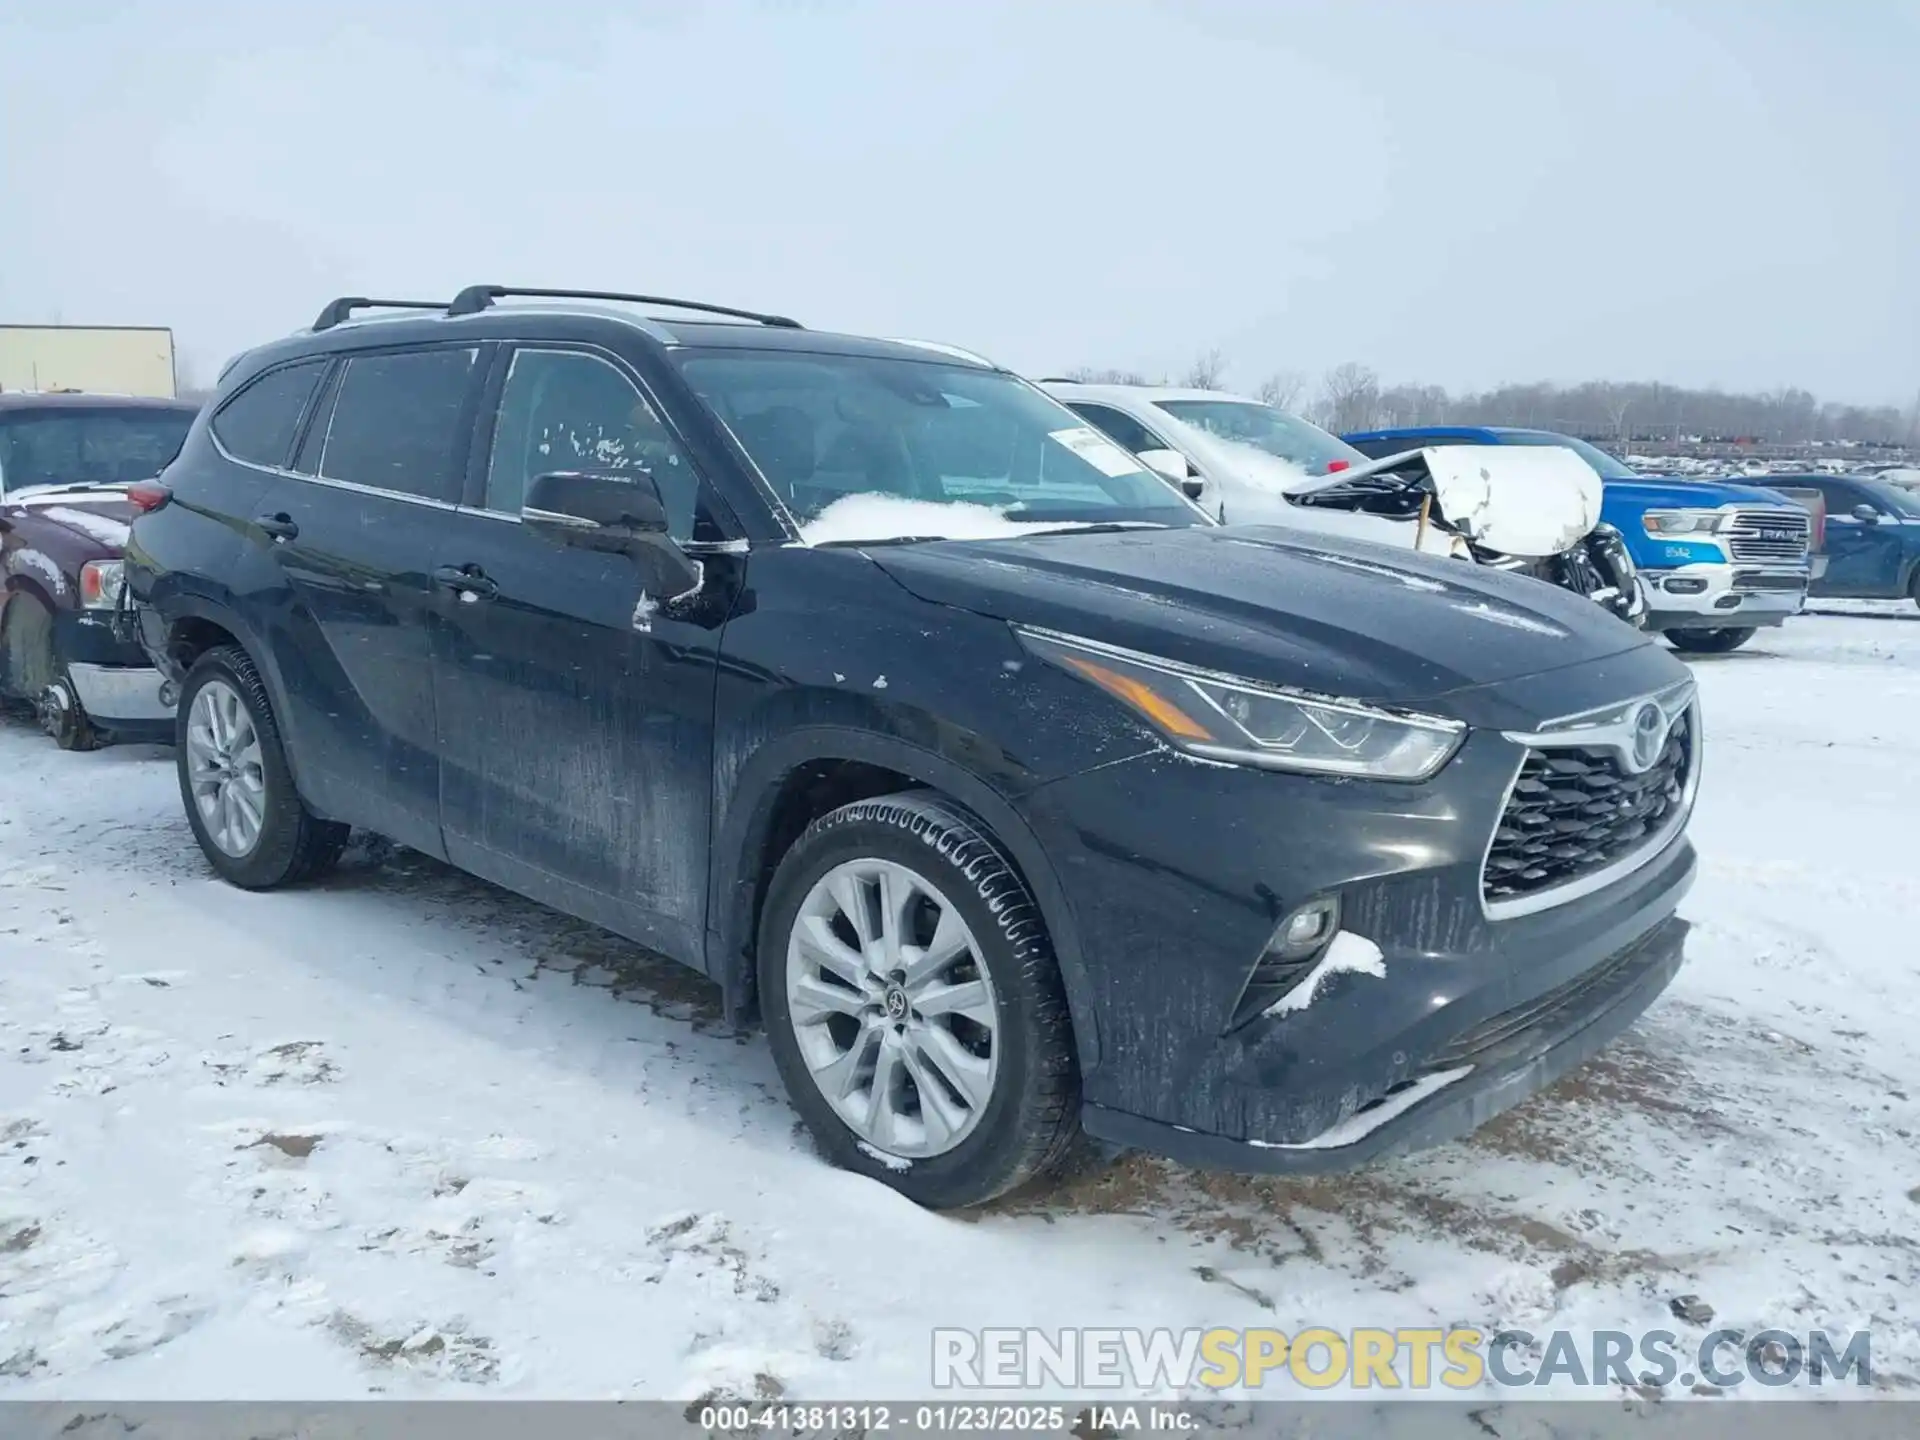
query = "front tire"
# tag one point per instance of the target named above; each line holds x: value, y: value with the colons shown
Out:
x: 1709, y: 642
x: 27, y: 663
x: 62, y: 717
x: 914, y: 1005
x: 250, y: 822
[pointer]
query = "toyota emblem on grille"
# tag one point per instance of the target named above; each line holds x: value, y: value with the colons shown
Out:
x: 1650, y: 726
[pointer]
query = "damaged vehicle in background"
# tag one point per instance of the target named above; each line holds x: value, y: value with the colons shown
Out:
x: 1718, y: 559
x: 67, y: 462
x: 1013, y: 795
x: 1247, y: 462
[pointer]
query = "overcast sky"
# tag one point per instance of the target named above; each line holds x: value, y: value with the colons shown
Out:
x: 1464, y: 192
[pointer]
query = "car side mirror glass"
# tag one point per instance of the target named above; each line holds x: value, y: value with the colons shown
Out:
x: 1866, y: 514
x: 1167, y: 464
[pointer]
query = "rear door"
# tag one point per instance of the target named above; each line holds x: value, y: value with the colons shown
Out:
x: 354, y: 531
x: 575, y: 710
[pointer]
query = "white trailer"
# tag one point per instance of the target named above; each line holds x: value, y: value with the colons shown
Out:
x: 107, y: 359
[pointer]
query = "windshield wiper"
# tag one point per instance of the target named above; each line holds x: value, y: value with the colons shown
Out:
x: 1098, y: 527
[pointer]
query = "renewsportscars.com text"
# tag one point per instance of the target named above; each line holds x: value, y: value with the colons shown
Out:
x: 1319, y: 1358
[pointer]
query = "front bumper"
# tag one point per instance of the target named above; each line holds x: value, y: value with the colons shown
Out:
x: 111, y: 675
x: 1721, y: 596
x: 1178, y: 876
x: 113, y: 693
x: 1520, y: 1054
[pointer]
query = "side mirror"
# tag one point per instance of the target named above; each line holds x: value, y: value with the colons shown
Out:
x: 621, y: 513
x: 597, y: 512
x: 1866, y: 514
x: 1167, y: 464
x: 1193, y: 487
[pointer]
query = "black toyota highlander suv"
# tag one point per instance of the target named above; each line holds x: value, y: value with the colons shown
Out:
x: 1013, y: 796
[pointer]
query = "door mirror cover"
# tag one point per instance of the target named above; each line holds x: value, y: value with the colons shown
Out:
x: 599, y: 511
x: 1866, y: 514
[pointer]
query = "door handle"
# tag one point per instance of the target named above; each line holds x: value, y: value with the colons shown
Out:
x: 469, y: 582
x: 278, y: 526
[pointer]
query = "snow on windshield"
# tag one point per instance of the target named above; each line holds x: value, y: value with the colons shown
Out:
x: 891, y: 517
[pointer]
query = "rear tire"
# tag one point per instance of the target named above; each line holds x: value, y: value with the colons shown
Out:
x: 234, y: 781
x: 974, y: 1107
x: 1709, y: 642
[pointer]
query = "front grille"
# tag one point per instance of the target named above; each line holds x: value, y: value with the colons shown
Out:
x: 1761, y: 580
x: 1575, y: 811
x: 1769, y: 534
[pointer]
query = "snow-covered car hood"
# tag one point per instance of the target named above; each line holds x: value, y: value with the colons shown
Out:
x: 101, y: 517
x: 1529, y: 500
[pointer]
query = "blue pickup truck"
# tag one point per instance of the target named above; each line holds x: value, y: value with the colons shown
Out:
x: 1717, y: 561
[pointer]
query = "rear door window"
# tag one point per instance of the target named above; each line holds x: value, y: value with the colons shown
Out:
x: 258, y: 424
x: 396, y: 421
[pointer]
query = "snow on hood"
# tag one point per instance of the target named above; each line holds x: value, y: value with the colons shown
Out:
x: 95, y: 526
x: 892, y: 517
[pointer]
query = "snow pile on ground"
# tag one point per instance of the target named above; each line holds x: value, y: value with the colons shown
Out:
x: 404, y: 1134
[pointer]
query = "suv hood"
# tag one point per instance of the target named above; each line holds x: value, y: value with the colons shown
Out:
x: 1313, y: 611
x: 1675, y: 493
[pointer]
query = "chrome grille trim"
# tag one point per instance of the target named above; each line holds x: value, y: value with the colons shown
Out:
x: 1607, y: 728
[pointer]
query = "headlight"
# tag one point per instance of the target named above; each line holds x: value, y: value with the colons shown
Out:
x: 101, y: 582
x: 1681, y: 522
x: 1244, y: 722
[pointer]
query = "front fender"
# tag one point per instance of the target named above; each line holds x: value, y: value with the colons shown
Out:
x: 748, y: 810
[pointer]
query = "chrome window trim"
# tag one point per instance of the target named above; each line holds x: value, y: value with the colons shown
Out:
x: 353, y: 486
x: 1612, y: 730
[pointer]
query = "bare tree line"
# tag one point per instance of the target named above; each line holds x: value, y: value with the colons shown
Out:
x: 1351, y: 397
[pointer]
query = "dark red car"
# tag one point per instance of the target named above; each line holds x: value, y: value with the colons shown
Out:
x: 66, y: 462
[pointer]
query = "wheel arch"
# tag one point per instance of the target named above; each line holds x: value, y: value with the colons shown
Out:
x: 195, y: 624
x: 758, y: 826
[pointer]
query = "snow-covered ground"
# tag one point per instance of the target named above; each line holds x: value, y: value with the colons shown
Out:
x: 407, y: 1134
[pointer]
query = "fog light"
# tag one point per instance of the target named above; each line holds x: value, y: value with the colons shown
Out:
x: 1308, y: 928
x: 1727, y: 602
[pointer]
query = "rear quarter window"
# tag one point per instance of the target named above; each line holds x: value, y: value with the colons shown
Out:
x: 258, y: 424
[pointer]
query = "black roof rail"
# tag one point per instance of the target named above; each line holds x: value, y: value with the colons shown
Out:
x: 343, y: 308
x: 476, y: 298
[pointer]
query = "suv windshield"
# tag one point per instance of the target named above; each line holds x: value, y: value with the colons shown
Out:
x: 1247, y: 422
x: 92, y: 446
x: 1609, y: 467
x: 866, y: 448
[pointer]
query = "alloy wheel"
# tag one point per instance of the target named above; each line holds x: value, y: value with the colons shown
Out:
x: 893, y: 1010
x: 224, y: 769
